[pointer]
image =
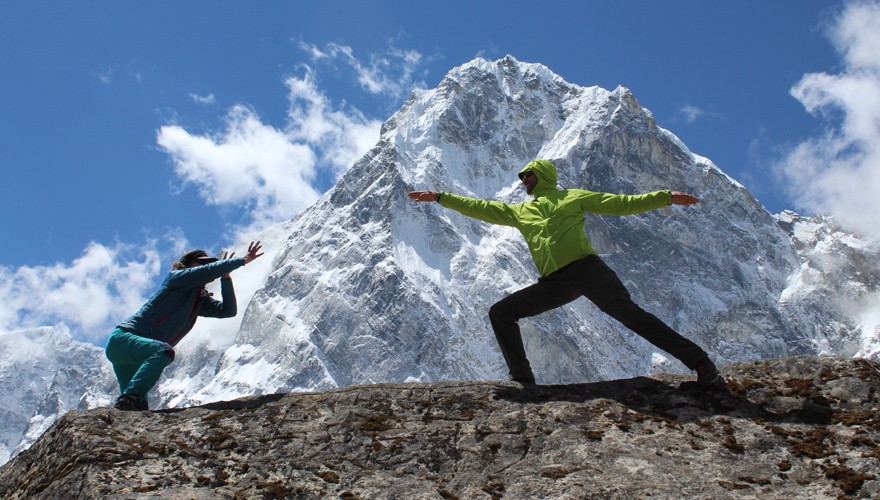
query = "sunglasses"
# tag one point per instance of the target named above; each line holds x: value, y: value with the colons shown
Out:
x: 523, y: 175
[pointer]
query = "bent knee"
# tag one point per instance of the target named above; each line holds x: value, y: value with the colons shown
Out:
x: 498, y: 311
x: 169, y: 352
x: 618, y: 304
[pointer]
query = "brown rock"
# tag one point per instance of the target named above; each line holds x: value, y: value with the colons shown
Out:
x: 803, y: 427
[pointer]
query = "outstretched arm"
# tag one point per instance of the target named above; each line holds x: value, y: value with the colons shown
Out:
x: 679, y: 198
x: 493, y: 212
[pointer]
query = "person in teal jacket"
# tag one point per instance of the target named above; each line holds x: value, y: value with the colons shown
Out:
x: 553, y: 227
x: 143, y: 345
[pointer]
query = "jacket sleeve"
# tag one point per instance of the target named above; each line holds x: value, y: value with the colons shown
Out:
x: 623, y: 204
x: 202, y: 275
x: 225, y: 309
x: 494, y: 212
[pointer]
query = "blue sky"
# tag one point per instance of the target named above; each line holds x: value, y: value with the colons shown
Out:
x: 130, y: 131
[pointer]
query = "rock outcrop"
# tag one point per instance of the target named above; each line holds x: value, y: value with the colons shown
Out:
x: 805, y: 427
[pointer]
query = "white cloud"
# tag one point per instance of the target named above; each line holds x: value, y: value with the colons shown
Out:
x: 691, y: 113
x: 838, y: 172
x: 134, y: 71
x: 105, y: 76
x: 390, y: 73
x: 203, y: 99
x: 271, y: 172
x: 250, y: 164
x: 339, y: 136
x: 89, y: 295
x: 688, y: 113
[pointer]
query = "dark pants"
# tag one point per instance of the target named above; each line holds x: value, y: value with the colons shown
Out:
x: 593, y: 279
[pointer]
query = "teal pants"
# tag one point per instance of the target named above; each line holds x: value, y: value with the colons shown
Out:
x: 137, y: 361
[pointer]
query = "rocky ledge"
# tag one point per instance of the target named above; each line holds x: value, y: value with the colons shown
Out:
x: 804, y: 427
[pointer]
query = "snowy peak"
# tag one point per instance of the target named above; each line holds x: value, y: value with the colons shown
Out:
x: 373, y: 287
x: 485, y: 120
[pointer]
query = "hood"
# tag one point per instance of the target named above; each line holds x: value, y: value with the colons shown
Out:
x: 545, y: 171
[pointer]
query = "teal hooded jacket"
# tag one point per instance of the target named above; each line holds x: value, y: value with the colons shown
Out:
x: 172, y: 311
x: 553, y: 223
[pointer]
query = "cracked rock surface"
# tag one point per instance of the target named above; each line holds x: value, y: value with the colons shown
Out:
x: 804, y: 427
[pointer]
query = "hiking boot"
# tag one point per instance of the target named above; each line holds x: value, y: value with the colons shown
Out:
x: 128, y: 402
x: 707, y: 374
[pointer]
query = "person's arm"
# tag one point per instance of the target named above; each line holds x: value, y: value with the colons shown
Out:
x: 202, y: 275
x: 493, y: 212
x: 624, y: 204
x: 227, y: 307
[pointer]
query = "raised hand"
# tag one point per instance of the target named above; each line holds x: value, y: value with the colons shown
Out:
x: 253, y: 252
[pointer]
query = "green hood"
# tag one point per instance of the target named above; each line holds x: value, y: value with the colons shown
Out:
x: 545, y: 171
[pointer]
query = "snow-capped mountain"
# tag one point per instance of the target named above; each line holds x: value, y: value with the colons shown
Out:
x: 43, y: 374
x: 834, y: 295
x: 369, y: 286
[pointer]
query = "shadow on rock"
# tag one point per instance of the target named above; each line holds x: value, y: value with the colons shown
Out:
x: 245, y: 403
x: 680, y: 401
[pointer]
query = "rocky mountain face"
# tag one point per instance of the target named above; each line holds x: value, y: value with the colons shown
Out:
x: 43, y: 374
x: 835, y: 294
x: 370, y: 287
x: 805, y: 427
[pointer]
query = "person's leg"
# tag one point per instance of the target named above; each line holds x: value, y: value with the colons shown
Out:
x: 600, y: 284
x: 155, y: 356
x: 124, y: 373
x: 138, y: 362
x: 118, y: 352
x: 548, y: 293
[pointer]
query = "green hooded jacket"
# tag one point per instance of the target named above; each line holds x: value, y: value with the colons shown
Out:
x: 553, y: 223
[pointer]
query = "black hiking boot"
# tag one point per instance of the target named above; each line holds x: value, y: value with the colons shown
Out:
x: 707, y: 374
x: 129, y: 402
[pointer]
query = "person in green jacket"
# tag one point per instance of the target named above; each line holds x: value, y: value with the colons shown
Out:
x: 143, y: 345
x: 553, y: 227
